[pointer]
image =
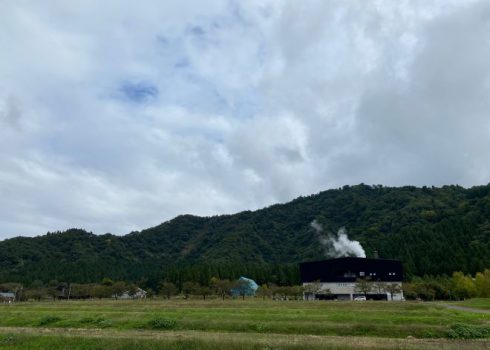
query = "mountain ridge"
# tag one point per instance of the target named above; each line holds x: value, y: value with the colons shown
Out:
x: 433, y: 230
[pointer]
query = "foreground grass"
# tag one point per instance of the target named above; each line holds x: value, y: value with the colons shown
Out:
x: 78, y: 339
x: 374, y: 319
x: 477, y: 303
x: 236, y: 324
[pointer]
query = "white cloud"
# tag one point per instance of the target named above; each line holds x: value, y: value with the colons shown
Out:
x: 115, y: 118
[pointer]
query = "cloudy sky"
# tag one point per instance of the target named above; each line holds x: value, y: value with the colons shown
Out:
x: 115, y: 118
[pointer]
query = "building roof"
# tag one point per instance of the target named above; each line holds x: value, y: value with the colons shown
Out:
x: 349, y: 269
x: 7, y: 295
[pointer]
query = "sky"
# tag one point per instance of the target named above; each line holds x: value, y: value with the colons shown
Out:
x: 117, y: 116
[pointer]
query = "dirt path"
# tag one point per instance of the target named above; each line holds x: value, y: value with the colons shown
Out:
x: 464, y: 308
x: 257, y: 338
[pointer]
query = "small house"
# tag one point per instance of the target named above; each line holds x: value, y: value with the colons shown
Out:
x: 7, y: 297
x: 137, y: 294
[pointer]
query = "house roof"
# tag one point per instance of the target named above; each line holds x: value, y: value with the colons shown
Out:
x: 7, y: 295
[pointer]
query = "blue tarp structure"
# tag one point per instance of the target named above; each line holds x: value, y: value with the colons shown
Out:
x: 247, y: 287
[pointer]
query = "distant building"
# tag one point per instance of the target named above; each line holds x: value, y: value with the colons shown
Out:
x: 7, y: 297
x: 138, y: 294
x: 350, y: 278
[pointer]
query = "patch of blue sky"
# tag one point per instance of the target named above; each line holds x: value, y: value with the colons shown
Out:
x: 197, y: 31
x: 138, y: 92
x: 201, y: 95
x: 204, y: 29
x: 181, y: 83
x: 182, y: 64
x: 185, y: 86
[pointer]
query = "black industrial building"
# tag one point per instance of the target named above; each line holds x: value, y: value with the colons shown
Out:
x: 339, y: 275
x: 349, y: 269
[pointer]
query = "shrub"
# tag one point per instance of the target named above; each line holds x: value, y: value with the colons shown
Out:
x: 7, y: 339
x: 162, y: 323
x: 258, y: 327
x: 90, y: 320
x: 465, y: 331
x: 104, y: 324
x: 48, y: 320
x: 96, y: 321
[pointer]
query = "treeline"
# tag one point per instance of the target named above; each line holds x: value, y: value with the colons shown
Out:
x: 150, y: 277
x: 181, y: 277
x: 222, y: 288
x: 277, y: 274
x: 61, y: 290
x: 457, y: 287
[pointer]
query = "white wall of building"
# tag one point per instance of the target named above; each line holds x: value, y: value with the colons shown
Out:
x: 348, y: 290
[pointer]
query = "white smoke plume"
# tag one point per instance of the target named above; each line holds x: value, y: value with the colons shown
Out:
x: 339, y: 245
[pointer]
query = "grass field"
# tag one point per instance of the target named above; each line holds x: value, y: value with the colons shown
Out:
x: 237, y: 324
x: 478, y: 303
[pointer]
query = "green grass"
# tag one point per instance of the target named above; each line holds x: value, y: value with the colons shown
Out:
x: 380, y: 319
x: 249, y: 324
x: 477, y: 303
x: 217, y: 341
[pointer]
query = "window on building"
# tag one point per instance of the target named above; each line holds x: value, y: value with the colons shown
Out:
x: 362, y: 274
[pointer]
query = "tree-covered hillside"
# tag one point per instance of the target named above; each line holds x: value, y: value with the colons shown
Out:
x: 431, y: 230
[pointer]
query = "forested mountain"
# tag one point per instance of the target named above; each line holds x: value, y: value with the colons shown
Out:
x: 431, y: 230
